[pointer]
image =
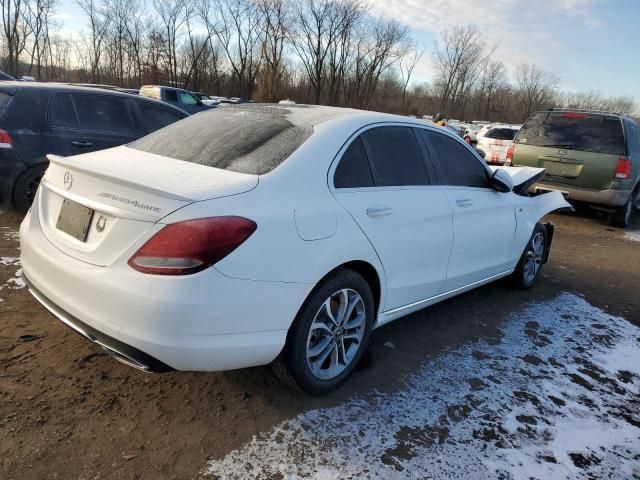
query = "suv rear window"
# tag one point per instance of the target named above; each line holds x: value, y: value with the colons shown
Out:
x: 574, y: 131
x: 239, y: 139
x: 501, y: 133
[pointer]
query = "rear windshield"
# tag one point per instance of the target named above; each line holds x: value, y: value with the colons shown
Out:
x: 574, y: 131
x: 501, y: 133
x: 235, y: 138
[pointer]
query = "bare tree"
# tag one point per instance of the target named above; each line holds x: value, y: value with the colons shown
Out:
x: 535, y: 88
x: 406, y: 66
x: 99, y: 22
x: 173, y: 15
x: 276, y: 24
x: 318, y: 26
x: 15, y: 32
x: 458, y: 60
x: 237, y: 25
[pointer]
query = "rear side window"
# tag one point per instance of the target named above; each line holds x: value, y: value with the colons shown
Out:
x: 156, y: 117
x: 5, y: 98
x: 171, y: 95
x: 459, y: 166
x: 574, y: 131
x: 103, y: 113
x: 501, y: 133
x: 62, y: 113
x: 353, y: 170
x: 241, y: 139
x: 396, y: 157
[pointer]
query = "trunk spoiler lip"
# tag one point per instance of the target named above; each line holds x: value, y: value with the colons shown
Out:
x: 58, y: 160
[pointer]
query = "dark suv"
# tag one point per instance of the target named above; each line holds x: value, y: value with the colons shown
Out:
x: 37, y: 119
x: 591, y: 157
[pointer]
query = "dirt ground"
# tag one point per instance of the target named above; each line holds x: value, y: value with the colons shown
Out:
x: 68, y: 411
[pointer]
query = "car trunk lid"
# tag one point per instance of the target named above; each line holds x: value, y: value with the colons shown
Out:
x: 95, y: 206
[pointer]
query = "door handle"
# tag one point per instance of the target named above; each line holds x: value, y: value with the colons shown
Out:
x: 81, y: 144
x: 464, y: 202
x: 379, y: 211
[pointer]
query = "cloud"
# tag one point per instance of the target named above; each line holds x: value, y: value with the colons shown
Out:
x: 523, y: 31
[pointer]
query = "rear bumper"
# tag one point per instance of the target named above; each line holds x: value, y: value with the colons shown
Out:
x: 201, y: 322
x: 608, y: 198
x: 121, y: 351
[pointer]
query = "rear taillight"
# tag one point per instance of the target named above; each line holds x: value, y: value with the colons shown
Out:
x: 188, y: 247
x: 623, y: 168
x: 510, y: 153
x: 5, y: 140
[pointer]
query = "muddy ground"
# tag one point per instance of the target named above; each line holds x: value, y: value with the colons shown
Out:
x: 69, y: 411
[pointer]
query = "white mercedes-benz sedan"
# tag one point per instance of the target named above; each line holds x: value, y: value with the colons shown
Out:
x: 256, y: 233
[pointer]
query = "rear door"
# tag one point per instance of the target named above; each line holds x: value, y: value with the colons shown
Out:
x: 576, y: 149
x: 85, y: 122
x: 484, y: 220
x: 383, y: 181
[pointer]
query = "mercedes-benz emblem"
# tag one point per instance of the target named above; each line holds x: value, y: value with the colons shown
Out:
x: 68, y: 180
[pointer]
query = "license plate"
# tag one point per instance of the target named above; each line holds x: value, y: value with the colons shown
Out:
x: 74, y: 219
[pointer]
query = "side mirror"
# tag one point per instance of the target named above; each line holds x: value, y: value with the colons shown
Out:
x: 501, y: 181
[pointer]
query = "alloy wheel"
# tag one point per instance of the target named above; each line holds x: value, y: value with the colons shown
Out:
x: 336, y: 334
x: 534, y: 257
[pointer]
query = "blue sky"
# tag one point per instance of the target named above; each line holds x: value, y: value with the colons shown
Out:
x: 589, y: 44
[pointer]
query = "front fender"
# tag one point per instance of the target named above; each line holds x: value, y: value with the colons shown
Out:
x: 528, y: 214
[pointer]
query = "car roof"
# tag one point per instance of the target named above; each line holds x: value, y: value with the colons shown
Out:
x: 314, y: 115
x: 66, y: 87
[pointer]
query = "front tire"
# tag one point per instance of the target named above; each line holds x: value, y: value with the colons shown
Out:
x: 330, y: 333
x: 530, y: 264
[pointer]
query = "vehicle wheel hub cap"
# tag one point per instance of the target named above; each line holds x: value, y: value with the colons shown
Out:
x: 336, y: 334
x: 534, y: 257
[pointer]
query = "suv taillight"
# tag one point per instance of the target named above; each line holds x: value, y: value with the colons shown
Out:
x: 5, y: 140
x: 510, y: 153
x: 623, y: 168
x: 188, y: 247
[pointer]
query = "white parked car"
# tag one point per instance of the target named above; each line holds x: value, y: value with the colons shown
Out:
x: 494, y: 141
x: 239, y: 236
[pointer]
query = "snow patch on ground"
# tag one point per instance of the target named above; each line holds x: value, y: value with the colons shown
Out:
x: 16, y: 281
x: 558, y: 397
x: 632, y: 236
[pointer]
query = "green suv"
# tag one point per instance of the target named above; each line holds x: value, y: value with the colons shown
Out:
x: 591, y: 157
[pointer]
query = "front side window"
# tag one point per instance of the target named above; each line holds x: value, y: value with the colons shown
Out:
x: 188, y: 99
x: 353, y: 170
x: 458, y: 165
x: 396, y: 157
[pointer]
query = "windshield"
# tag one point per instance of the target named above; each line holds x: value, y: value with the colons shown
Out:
x: 574, y: 131
x: 239, y: 139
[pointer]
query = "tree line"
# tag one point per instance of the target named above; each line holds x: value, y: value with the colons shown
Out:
x: 333, y: 52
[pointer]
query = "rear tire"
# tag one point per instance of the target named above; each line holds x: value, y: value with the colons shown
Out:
x: 621, y: 218
x: 329, y: 335
x: 530, y: 264
x: 26, y: 186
